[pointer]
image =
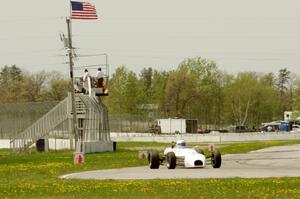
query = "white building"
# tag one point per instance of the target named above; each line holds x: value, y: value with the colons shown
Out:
x: 177, y: 125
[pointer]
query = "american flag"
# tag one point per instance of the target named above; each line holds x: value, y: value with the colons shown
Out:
x: 83, y: 10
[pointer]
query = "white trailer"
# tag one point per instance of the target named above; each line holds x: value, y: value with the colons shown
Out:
x: 177, y: 125
x: 291, y: 115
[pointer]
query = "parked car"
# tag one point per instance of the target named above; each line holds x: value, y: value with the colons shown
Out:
x: 155, y: 129
x: 203, y: 131
x: 296, y: 127
x: 238, y: 129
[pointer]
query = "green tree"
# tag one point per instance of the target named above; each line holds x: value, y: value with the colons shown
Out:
x: 181, y: 89
x: 11, y: 84
x: 159, y: 84
x: 209, y: 103
x: 124, y: 92
x: 251, y: 99
x: 132, y: 93
x: 282, y: 85
x: 297, y: 98
x: 10, y: 74
x: 34, y: 85
x: 282, y: 80
x: 240, y: 97
x: 188, y: 87
x: 117, y: 90
x: 152, y: 85
x: 57, y: 87
x: 146, y: 79
x: 293, y: 84
x: 267, y: 106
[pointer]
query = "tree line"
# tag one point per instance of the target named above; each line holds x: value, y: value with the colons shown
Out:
x: 19, y: 86
x: 197, y: 89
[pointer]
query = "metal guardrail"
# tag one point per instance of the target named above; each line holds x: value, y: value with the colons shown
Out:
x: 95, y: 123
x: 92, y: 120
x: 41, y: 127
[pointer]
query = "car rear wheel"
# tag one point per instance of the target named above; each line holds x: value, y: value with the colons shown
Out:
x: 216, y: 159
x: 171, y: 160
x: 153, y: 159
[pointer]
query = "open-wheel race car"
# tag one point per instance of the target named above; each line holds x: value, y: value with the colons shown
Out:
x: 180, y: 154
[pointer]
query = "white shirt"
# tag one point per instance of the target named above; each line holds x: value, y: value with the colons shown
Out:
x: 85, y: 82
x: 99, y: 74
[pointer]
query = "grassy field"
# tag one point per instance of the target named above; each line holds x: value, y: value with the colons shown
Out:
x: 35, y: 175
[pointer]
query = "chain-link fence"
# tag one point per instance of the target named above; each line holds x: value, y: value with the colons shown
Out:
x: 14, y: 118
x: 130, y: 123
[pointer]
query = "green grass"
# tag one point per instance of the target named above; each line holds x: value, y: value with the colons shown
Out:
x: 245, y: 147
x: 35, y: 175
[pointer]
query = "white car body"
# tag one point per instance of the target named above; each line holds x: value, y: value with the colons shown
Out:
x: 187, y: 157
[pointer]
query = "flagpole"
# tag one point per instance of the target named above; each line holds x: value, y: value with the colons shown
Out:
x: 78, y: 137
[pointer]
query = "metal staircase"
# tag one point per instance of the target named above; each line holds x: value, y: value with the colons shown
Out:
x: 92, y: 119
x: 94, y: 124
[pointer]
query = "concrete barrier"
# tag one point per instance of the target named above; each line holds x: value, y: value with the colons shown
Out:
x: 212, y: 137
x: 4, y: 144
x: 99, y: 146
x: 59, y: 144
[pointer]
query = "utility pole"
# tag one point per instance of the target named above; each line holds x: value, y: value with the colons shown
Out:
x: 70, y: 53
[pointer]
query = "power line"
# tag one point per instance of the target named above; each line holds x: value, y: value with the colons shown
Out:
x: 36, y: 57
x: 31, y: 52
x: 160, y: 54
x: 158, y: 51
x: 39, y: 19
x: 212, y: 58
x: 257, y: 59
x: 170, y: 18
x: 39, y: 65
x: 193, y: 36
x: 28, y: 37
x: 90, y: 55
x: 269, y: 37
x: 176, y: 18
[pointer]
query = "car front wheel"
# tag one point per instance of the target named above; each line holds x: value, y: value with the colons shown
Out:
x: 153, y: 159
x: 171, y: 160
x: 216, y: 159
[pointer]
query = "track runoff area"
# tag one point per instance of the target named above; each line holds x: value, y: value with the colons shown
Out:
x: 280, y: 161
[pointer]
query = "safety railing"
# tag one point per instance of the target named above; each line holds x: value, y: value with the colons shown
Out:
x: 41, y: 127
x: 92, y: 122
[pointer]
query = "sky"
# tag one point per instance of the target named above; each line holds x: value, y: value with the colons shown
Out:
x: 239, y: 35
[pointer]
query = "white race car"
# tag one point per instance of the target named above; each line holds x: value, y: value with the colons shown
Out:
x: 180, y: 154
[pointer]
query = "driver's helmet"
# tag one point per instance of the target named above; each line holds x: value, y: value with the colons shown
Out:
x: 181, y: 143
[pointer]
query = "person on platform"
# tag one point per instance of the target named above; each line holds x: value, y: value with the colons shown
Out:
x: 85, y: 80
x: 99, y: 78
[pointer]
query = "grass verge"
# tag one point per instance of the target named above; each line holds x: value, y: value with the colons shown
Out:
x: 35, y: 175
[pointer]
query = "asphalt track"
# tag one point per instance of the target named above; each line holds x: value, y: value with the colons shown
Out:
x: 282, y: 161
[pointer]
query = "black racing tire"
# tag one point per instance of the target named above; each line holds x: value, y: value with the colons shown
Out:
x: 199, y: 150
x: 171, y: 160
x: 153, y: 159
x: 216, y: 159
